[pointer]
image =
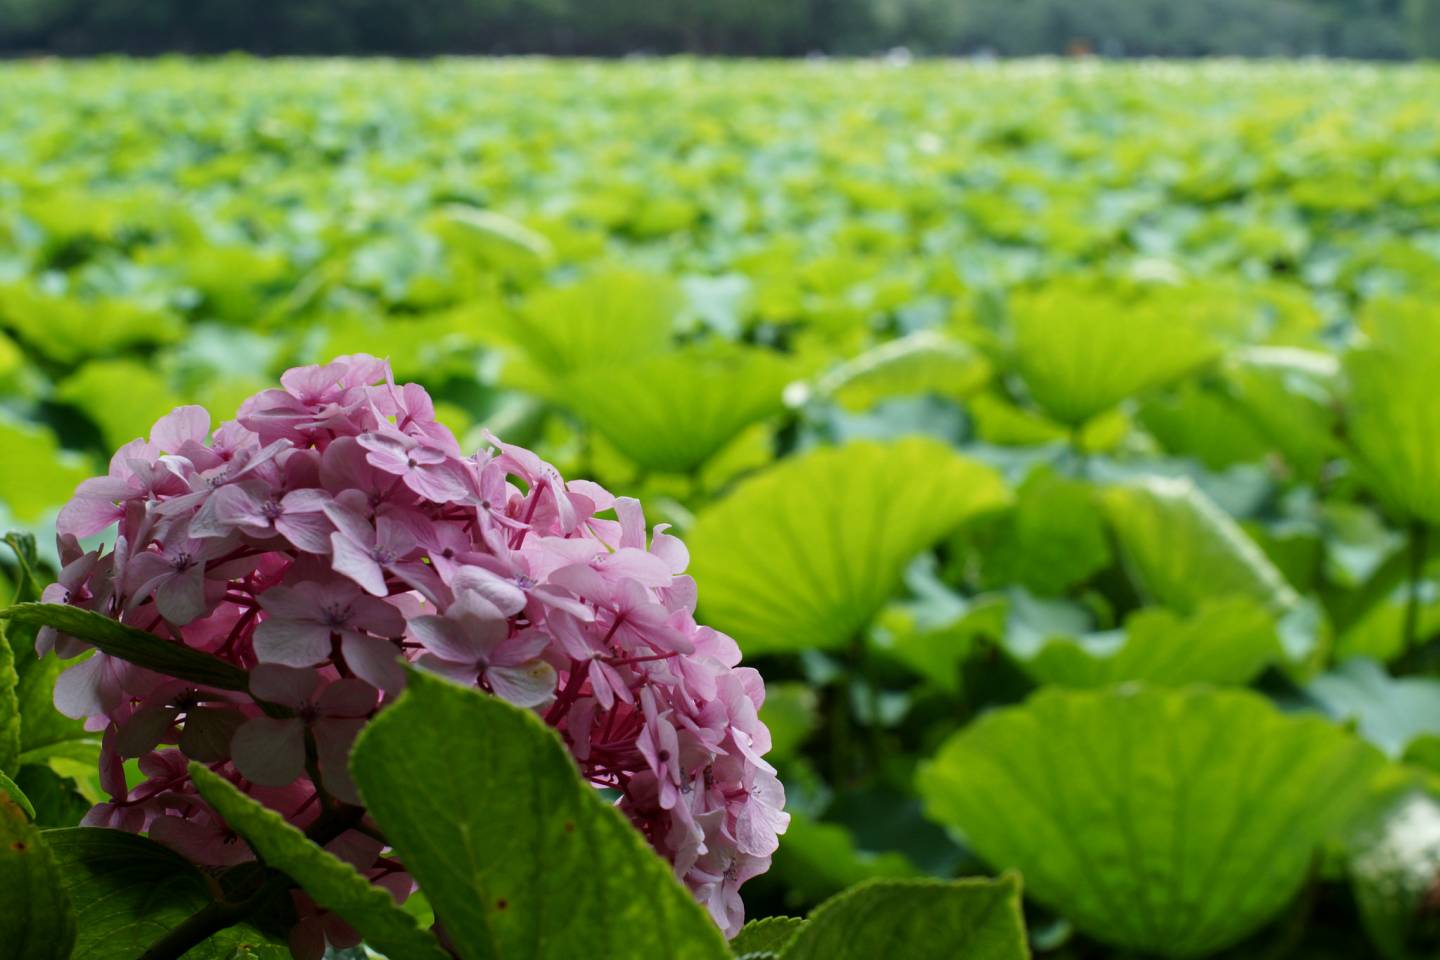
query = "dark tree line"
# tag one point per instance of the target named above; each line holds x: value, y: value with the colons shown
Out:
x: 1357, y: 28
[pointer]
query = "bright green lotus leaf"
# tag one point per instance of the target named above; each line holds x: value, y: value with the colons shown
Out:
x: 68, y: 329
x: 492, y: 237
x: 1289, y: 394
x: 1393, y: 409
x: 37, y: 921
x: 673, y: 411
x: 123, y: 397
x: 330, y: 881
x: 1388, y: 712
x: 520, y: 858
x: 923, y: 362
x: 804, y: 554
x: 35, y: 474
x: 1204, y: 423
x: 1000, y: 422
x: 129, y: 892
x: 1172, y: 822
x: 971, y: 919
x: 1053, y: 537
x: 1394, y: 860
x: 1081, y: 352
x: 1225, y: 641
x: 1182, y: 549
x: 609, y: 318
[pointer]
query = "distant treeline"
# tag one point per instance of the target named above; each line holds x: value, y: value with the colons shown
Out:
x: 1354, y: 28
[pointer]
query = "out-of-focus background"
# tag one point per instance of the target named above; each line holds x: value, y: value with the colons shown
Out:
x: 1384, y: 29
x: 1179, y: 320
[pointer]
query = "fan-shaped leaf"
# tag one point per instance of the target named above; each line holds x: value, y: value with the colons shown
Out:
x: 923, y: 362
x: 1166, y: 821
x: 1182, y: 549
x: 1225, y: 641
x: 804, y: 554
x: 612, y: 317
x: 673, y: 411
x: 1082, y: 352
x: 1394, y: 408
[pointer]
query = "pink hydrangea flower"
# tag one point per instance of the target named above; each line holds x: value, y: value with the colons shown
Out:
x: 333, y: 533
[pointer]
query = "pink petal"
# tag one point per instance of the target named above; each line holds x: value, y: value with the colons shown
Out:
x: 332, y: 745
x: 270, y: 751
x: 525, y: 686
x: 295, y: 643
x: 286, y: 686
x: 348, y: 697
x: 374, y: 660
x: 353, y: 561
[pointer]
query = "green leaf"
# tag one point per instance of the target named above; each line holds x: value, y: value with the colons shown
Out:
x: 518, y: 856
x: 127, y: 643
x: 1081, y: 352
x: 805, y: 554
x: 16, y: 795
x: 674, y: 411
x: 765, y: 938
x: 330, y: 881
x: 969, y: 919
x: 123, y: 397
x: 923, y: 362
x: 38, y: 919
x: 35, y: 474
x: 1225, y: 641
x: 817, y: 859
x: 1290, y: 396
x: 10, y: 718
x: 1182, y: 549
x: 612, y: 317
x: 1053, y: 538
x: 129, y: 892
x: 493, y: 237
x: 1393, y: 413
x: 1166, y: 821
x: 1388, y: 712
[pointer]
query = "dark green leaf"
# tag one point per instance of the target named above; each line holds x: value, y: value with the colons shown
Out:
x: 16, y: 795
x: 129, y: 892
x: 37, y: 921
x: 330, y: 881
x: 765, y: 938
x: 520, y: 859
x: 919, y: 919
x: 127, y: 643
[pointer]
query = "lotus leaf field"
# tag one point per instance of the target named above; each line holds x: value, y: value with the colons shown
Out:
x: 1060, y: 441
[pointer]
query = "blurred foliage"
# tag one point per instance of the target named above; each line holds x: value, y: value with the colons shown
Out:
x: 1059, y: 441
x: 1350, y: 28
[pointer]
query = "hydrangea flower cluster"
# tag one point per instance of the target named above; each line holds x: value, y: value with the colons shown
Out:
x: 334, y: 531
